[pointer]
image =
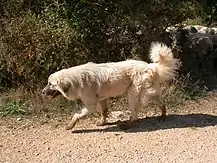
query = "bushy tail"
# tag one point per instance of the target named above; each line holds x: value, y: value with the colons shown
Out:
x: 164, y: 61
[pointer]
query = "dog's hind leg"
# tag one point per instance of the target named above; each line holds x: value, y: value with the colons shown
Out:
x: 134, y: 104
x: 157, y: 99
x: 103, y: 108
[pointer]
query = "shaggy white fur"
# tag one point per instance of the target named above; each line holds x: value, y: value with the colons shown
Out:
x: 95, y: 83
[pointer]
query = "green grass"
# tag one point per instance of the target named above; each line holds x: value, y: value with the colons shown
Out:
x: 14, y: 107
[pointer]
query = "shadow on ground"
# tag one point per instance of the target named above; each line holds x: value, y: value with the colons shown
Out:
x: 154, y: 123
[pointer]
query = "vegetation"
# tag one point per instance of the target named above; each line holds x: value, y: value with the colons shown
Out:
x: 38, y: 37
x: 12, y: 107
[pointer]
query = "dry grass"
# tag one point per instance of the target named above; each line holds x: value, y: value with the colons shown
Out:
x: 181, y: 90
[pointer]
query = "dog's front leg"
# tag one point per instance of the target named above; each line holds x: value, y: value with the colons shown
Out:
x: 84, y: 112
x: 76, y: 117
x: 87, y: 110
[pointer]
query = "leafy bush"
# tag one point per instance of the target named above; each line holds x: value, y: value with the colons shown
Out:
x: 38, y: 37
x: 34, y: 48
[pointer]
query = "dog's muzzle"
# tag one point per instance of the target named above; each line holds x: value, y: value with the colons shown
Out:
x: 46, y: 92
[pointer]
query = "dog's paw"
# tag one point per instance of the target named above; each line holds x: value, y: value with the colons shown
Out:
x: 69, y: 127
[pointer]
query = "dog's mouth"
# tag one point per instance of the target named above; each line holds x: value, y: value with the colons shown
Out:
x: 55, y: 94
x: 51, y: 93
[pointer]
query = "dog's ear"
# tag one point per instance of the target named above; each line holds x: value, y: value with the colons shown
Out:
x: 64, y: 86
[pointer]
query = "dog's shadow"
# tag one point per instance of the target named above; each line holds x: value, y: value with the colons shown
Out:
x: 154, y: 123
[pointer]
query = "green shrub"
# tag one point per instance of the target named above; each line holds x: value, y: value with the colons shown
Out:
x: 16, y: 107
x: 33, y: 48
x: 38, y: 37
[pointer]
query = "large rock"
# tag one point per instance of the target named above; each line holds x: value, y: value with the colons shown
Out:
x: 201, y: 43
x: 198, y: 46
x: 200, y: 29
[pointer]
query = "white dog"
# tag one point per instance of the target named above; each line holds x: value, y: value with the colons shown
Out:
x: 95, y: 83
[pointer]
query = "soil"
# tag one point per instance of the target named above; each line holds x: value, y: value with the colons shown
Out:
x: 188, y: 134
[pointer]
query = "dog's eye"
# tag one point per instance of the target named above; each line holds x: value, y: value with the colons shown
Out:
x: 50, y: 84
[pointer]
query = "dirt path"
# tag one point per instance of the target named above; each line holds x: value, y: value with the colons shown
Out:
x: 188, y: 136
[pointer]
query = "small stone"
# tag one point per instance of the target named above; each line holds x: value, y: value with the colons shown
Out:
x: 47, y: 116
x: 19, y: 119
x: 48, y: 148
x: 139, y: 32
x: 117, y: 114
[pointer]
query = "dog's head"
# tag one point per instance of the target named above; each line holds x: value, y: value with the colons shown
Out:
x: 56, y: 86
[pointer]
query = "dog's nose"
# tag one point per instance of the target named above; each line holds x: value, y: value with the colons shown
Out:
x: 43, y: 92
